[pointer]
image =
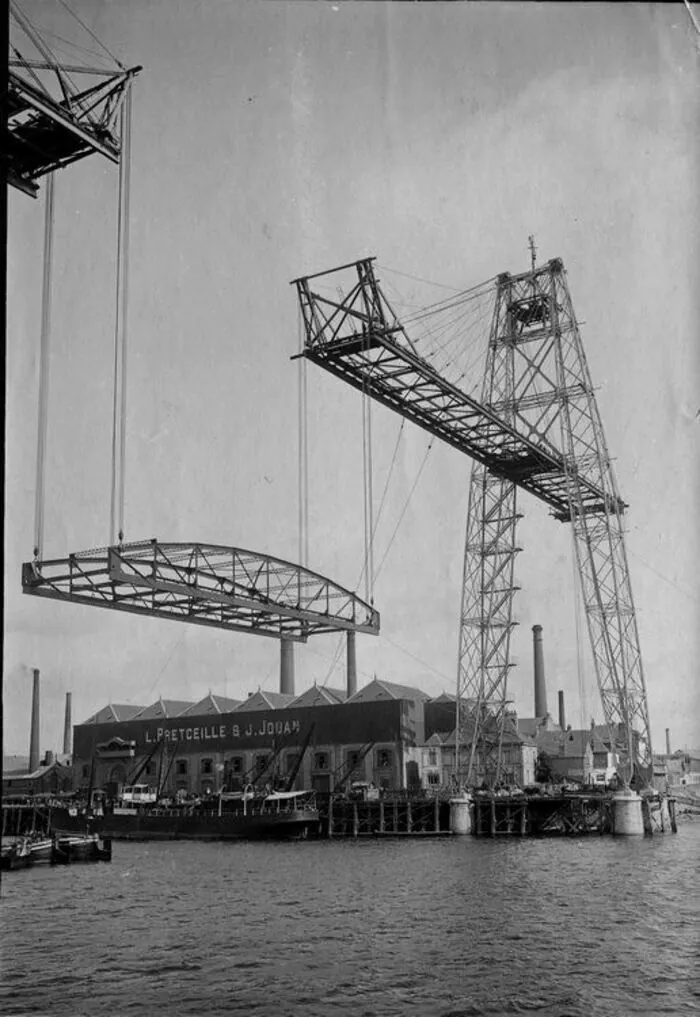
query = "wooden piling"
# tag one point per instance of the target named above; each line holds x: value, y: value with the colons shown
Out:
x: 381, y: 815
x: 409, y: 817
x: 493, y: 817
x: 672, y: 814
x: 523, y: 819
x: 330, y: 816
x: 355, y: 820
x: 646, y: 817
x: 437, y: 815
x: 396, y: 816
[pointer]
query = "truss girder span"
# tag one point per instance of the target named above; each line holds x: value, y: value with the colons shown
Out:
x: 359, y: 339
x: 205, y: 584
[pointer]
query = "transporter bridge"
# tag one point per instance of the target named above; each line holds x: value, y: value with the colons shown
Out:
x: 535, y: 427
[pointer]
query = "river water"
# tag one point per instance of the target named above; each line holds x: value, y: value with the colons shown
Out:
x: 596, y: 927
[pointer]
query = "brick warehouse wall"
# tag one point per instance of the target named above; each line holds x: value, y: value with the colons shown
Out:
x: 208, y: 749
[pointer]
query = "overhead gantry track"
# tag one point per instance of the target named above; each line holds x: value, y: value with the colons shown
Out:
x: 50, y: 121
x: 204, y: 584
x: 358, y: 338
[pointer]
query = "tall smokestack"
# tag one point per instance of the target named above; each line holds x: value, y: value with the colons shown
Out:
x: 287, y: 666
x: 668, y: 742
x: 562, y: 712
x: 351, y: 665
x: 540, y: 685
x: 67, y: 726
x: 36, y: 724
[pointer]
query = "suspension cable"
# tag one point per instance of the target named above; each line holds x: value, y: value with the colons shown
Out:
x: 406, y: 504
x: 44, y: 371
x: 92, y: 34
x: 120, y: 330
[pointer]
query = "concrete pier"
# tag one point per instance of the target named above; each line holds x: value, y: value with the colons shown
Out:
x: 460, y: 815
x: 628, y: 816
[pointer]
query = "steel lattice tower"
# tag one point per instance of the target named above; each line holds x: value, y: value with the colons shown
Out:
x: 537, y: 380
x: 486, y: 616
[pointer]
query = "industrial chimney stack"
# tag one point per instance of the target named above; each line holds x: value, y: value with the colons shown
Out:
x: 287, y: 666
x: 540, y: 685
x: 67, y: 726
x: 34, y: 749
x: 562, y: 712
x: 668, y: 742
x: 351, y: 677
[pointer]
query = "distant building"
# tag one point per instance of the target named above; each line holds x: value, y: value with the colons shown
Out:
x: 54, y: 775
x: 437, y: 759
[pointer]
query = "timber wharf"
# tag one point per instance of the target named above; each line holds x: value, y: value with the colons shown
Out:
x: 393, y: 816
x: 569, y: 814
x: 483, y: 814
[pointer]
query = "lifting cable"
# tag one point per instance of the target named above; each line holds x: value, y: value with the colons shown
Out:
x: 578, y: 605
x: 303, y: 451
x: 367, y: 472
x: 44, y: 371
x: 116, y: 528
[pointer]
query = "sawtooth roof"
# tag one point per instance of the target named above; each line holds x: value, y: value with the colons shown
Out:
x: 211, y: 704
x: 320, y: 695
x: 113, y: 712
x: 262, y: 700
x: 163, y: 708
x: 379, y: 689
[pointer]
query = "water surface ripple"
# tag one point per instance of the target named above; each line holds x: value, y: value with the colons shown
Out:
x: 596, y: 927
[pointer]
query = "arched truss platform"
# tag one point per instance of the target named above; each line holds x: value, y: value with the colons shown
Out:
x: 204, y: 584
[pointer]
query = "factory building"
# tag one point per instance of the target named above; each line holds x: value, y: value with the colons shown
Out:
x: 217, y: 742
x: 390, y: 735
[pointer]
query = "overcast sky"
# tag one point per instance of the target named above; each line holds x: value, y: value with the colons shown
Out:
x: 276, y: 139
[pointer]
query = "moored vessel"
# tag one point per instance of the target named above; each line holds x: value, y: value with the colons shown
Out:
x: 235, y: 816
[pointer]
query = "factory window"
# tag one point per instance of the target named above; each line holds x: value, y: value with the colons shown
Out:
x: 207, y: 766
x: 384, y: 759
x: 432, y: 757
x: 353, y: 760
x: 321, y: 761
x: 260, y: 764
x: 433, y: 778
x: 181, y: 767
x: 86, y: 771
x: 150, y: 769
x: 235, y: 764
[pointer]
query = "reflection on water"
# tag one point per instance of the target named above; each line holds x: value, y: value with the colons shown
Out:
x: 597, y: 927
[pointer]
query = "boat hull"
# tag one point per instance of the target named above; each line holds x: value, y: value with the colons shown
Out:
x: 173, y: 825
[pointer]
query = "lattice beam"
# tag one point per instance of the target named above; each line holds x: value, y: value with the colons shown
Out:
x: 51, y: 122
x: 204, y: 584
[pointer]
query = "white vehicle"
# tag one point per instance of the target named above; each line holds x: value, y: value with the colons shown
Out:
x: 139, y: 794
